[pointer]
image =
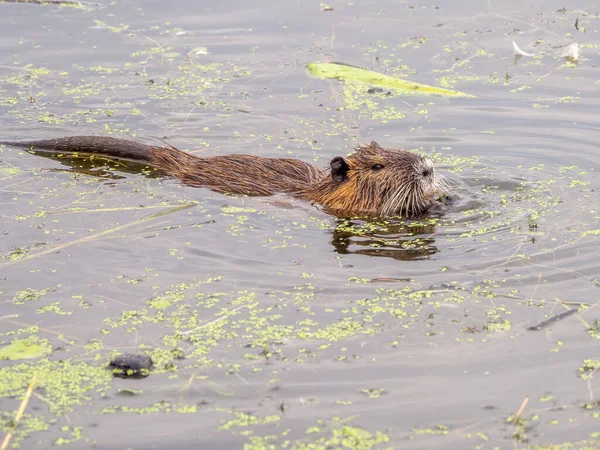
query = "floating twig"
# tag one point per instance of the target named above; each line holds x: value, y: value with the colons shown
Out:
x: 60, y: 336
x: 101, y: 234
x: 391, y: 280
x: 520, y: 411
x: 224, y: 316
x: 19, y: 414
x: 554, y: 318
x: 10, y: 316
x: 123, y: 208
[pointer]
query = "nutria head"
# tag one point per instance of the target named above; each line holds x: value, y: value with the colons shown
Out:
x: 376, y: 181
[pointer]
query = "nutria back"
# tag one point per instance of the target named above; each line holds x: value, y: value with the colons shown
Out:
x: 237, y: 174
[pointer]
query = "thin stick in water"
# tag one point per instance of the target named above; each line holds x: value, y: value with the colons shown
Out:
x: 20, y: 413
x: 520, y: 411
x: 99, y: 235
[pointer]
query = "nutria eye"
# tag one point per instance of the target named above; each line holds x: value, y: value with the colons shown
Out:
x: 426, y: 172
x: 377, y: 167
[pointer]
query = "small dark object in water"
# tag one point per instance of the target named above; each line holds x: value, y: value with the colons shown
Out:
x: 378, y: 91
x: 555, y: 318
x: 129, y: 365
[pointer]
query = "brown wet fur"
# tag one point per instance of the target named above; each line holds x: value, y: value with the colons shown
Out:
x: 359, y: 185
x: 237, y: 174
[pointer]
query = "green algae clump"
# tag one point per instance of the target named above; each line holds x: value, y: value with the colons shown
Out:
x: 27, y: 348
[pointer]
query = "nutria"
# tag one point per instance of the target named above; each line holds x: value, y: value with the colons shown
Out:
x: 373, y: 181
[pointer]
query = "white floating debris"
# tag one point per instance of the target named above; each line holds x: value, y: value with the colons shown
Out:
x: 198, y: 51
x: 518, y: 51
x: 571, y: 52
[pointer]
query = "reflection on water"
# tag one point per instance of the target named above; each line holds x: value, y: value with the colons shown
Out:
x: 99, y: 166
x: 399, y: 240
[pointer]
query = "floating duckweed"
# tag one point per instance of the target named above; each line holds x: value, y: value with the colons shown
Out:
x: 28, y: 348
x: 588, y: 368
x: 243, y: 420
x: 335, y: 435
x: 438, y: 429
x: 65, y: 384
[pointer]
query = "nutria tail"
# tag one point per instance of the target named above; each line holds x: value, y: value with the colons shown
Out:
x: 96, y: 145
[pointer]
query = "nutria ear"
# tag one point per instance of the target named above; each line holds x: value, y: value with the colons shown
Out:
x: 339, y: 169
x: 375, y: 146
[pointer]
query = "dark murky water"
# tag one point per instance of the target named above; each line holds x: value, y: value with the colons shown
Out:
x: 296, y: 326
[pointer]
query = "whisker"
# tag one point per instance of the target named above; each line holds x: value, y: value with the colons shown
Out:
x: 391, y: 203
x: 440, y: 183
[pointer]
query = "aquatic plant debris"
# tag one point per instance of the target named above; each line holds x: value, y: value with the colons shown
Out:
x: 25, y: 349
x: 554, y: 318
x: 571, y: 52
x: 19, y: 414
x: 100, y: 234
x: 341, y: 71
x: 518, y: 51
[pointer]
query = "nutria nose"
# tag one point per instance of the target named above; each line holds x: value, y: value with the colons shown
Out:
x: 428, y: 169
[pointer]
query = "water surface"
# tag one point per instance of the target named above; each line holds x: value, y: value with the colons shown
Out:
x: 270, y: 321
